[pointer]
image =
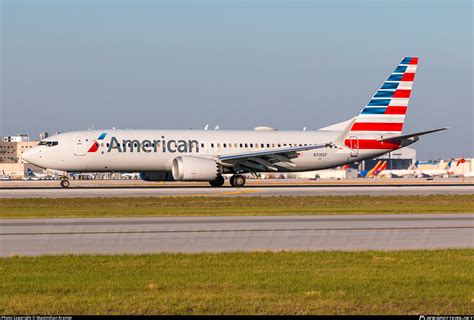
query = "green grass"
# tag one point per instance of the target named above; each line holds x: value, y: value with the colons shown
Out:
x: 403, y: 282
x: 198, y: 206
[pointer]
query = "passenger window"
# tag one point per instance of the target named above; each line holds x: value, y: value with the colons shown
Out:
x: 225, y: 145
x: 246, y: 145
x: 241, y: 145
x: 251, y: 145
x: 202, y: 145
x: 212, y: 145
x: 279, y: 145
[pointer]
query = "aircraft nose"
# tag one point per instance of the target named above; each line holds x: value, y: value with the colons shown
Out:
x: 32, y: 156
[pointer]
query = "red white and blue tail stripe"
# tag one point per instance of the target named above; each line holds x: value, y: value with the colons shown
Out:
x: 385, y: 112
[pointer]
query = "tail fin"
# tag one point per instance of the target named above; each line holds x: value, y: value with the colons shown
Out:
x: 385, y: 112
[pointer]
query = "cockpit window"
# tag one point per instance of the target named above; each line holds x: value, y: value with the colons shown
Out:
x: 48, y: 143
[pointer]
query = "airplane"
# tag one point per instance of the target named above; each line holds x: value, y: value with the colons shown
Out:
x: 31, y: 175
x: 5, y: 176
x: 206, y: 155
x: 414, y: 172
x: 130, y: 175
x: 376, y: 171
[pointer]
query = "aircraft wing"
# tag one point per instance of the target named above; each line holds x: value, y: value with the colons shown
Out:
x: 412, y: 135
x: 267, y: 160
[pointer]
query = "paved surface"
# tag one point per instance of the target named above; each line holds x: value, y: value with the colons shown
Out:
x: 253, y: 190
x: 216, y: 234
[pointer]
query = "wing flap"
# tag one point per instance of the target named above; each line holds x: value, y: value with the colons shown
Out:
x: 286, y: 152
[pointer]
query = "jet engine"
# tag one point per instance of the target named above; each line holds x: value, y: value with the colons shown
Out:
x: 156, y: 176
x: 190, y: 168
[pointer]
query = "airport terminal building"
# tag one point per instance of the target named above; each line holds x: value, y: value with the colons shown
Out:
x: 11, y: 149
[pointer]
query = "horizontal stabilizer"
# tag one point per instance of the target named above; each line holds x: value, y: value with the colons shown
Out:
x: 412, y: 135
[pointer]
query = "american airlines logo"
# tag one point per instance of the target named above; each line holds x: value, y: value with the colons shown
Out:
x: 95, y: 146
x: 147, y: 146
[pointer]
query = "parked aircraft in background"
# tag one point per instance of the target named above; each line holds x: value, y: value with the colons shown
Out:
x: 415, y: 172
x: 31, y: 175
x: 205, y: 155
x: 130, y: 175
x: 5, y: 176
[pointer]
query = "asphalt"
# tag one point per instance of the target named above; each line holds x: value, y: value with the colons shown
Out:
x: 252, y: 190
x: 219, y: 234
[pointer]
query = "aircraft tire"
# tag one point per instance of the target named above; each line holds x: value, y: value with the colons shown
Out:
x: 64, y: 183
x: 237, y: 181
x: 218, y: 182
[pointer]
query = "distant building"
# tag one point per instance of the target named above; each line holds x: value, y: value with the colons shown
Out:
x: 399, y: 159
x: 43, y: 135
x: 12, y: 147
x: 17, y: 138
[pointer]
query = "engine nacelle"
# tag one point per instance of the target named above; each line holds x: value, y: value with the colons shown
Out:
x: 156, y: 176
x: 190, y: 168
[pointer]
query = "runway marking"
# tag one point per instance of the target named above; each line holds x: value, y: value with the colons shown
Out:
x: 231, y: 192
x: 229, y: 230
x: 469, y: 217
x: 241, y: 191
x: 252, y: 190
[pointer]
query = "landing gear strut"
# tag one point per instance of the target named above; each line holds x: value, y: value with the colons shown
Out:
x: 217, y: 182
x: 64, y: 183
x: 237, y: 181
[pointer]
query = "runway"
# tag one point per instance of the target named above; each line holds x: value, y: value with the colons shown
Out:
x: 251, y: 190
x: 218, y: 234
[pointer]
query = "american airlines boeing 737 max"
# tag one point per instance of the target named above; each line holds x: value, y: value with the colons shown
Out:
x: 202, y: 155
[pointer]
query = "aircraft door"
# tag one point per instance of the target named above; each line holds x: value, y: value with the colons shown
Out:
x: 354, y: 142
x: 79, y: 146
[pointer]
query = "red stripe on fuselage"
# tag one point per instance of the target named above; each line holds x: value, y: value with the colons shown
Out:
x: 377, y: 126
x: 374, y: 144
x: 395, y: 110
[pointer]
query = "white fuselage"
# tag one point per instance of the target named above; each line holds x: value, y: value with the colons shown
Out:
x: 154, y: 150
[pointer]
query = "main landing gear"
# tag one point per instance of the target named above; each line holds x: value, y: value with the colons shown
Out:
x: 64, y: 182
x: 218, y: 182
x: 235, y: 181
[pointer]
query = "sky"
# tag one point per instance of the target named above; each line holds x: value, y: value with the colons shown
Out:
x: 75, y: 65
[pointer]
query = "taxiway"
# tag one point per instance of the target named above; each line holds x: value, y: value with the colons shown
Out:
x: 218, y: 234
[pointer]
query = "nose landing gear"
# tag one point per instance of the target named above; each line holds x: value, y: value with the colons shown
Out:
x: 64, y: 183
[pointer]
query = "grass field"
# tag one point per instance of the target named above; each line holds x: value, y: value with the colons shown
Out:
x: 413, y: 282
x: 195, y: 206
